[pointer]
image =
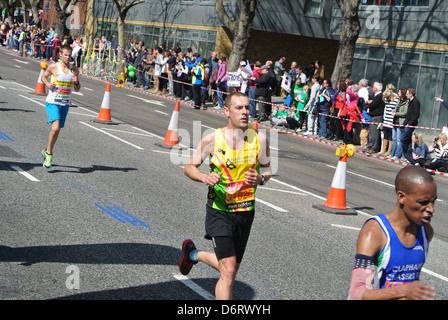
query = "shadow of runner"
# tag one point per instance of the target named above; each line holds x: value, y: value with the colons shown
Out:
x: 93, y: 168
x: 169, y: 290
x: 105, y: 253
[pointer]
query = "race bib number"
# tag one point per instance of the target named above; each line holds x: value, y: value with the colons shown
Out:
x: 62, y: 91
x: 239, y: 195
x: 62, y: 95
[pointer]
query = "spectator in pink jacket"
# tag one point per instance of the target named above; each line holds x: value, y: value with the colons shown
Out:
x: 221, y: 79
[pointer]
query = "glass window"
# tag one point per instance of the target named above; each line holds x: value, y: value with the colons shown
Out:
x: 443, y: 113
x: 432, y: 59
x: 361, y: 51
x: 376, y: 52
x: 408, y: 76
x: 358, y: 69
x: 374, y: 71
x: 313, y: 7
x: 391, y: 74
x: 426, y: 91
x: 412, y: 56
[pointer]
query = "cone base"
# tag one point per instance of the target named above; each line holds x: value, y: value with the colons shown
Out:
x: 39, y: 93
x: 104, y: 122
x: 326, y: 209
x: 165, y: 146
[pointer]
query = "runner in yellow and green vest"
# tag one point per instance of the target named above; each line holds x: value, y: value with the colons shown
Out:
x: 239, y: 162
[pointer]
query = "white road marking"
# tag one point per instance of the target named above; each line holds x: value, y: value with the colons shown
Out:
x: 345, y: 227
x: 273, y: 206
x: 24, y: 62
x: 24, y: 173
x: 161, y: 112
x: 22, y: 85
x: 193, y: 286
x: 284, y: 191
x: 39, y: 103
x: 160, y: 103
x: 111, y: 135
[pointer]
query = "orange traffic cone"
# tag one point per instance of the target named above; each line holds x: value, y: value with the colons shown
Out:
x: 40, y: 86
x: 104, y: 115
x: 336, y: 199
x: 172, y: 134
x: 255, y: 126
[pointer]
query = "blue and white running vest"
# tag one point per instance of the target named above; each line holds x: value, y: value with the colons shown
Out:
x: 398, y: 264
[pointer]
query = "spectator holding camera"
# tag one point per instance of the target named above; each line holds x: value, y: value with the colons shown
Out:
x: 440, y: 148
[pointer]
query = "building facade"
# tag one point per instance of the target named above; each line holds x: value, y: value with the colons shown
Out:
x: 402, y: 42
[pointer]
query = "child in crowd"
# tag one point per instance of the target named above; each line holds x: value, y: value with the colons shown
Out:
x: 279, y: 116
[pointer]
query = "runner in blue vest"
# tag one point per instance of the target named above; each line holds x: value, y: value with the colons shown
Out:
x: 392, y: 248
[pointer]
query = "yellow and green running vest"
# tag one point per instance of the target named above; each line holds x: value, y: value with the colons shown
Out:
x: 232, y: 194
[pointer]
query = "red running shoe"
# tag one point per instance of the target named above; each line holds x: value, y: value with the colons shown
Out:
x: 186, y: 263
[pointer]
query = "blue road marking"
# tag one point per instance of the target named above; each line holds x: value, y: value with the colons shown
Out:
x: 122, y: 216
x: 5, y: 137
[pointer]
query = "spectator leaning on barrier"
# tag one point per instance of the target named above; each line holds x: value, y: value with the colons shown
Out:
x: 376, y: 111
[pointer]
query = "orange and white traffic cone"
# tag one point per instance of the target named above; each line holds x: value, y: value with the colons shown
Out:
x: 255, y: 126
x: 172, y: 134
x: 336, y: 199
x: 104, y: 115
x: 40, y: 86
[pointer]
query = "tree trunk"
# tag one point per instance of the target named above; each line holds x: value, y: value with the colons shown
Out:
x: 240, y: 30
x: 347, y: 42
x: 35, y: 11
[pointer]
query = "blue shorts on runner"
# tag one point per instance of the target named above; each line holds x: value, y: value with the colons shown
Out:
x: 57, y: 112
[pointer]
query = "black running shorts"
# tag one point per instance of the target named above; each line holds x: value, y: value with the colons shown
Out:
x: 229, y: 231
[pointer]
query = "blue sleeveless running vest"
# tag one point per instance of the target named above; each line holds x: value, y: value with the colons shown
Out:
x: 398, y: 264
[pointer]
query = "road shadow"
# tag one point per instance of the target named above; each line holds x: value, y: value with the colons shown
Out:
x: 6, y: 165
x: 11, y: 109
x: 169, y: 290
x: 120, y: 253
x: 104, y: 253
x: 94, y: 167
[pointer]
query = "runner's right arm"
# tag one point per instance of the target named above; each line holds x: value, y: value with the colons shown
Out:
x: 191, y: 169
x: 47, y: 73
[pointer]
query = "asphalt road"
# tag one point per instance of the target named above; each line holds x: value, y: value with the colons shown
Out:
x: 113, y: 210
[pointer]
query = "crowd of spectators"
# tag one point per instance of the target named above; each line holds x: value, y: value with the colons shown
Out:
x: 380, y: 118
